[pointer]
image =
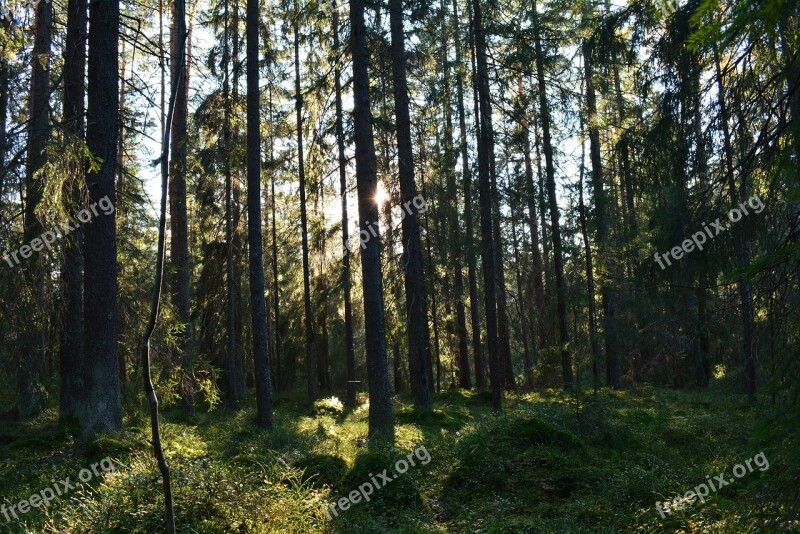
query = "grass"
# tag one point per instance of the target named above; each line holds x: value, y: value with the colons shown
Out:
x: 549, y: 463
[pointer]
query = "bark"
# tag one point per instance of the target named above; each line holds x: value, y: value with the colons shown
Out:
x: 276, y: 293
x: 536, y: 255
x: 258, y: 303
x: 311, y: 371
x: 589, y: 275
x: 346, y: 276
x: 103, y: 410
x: 742, y: 258
x: 437, y: 384
x: 521, y: 309
x: 488, y: 252
x: 144, y: 346
x: 456, y: 241
x: 71, y: 349
x: 480, y: 363
x: 416, y: 298
x: 468, y: 245
x: 232, y: 393
x: 31, y: 366
x: 558, y: 258
x: 381, y: 423
x: 179, y: 220
x: 601, y: 220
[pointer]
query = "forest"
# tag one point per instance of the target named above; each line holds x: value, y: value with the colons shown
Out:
x: 521, y: 266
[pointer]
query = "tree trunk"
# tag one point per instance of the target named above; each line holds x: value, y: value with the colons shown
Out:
x: 468, y: 245
x: 381, y: 423
x: 558, y: 258
x: 258, y: 303
x: 103, y: 410
x: 601, y: 218
x: 179, y: 221
x: 416, y: 299
x: 536, y: 255
x: 31, y: 365
x: 232, y: 393
x: 311, y: 367
x: 589, y: 274
x: 346, y: 277
x: 488, y: 252
x: 71, y: 350
x: 740, y: 244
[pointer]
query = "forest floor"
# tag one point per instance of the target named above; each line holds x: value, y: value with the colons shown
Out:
x: 549, y: 463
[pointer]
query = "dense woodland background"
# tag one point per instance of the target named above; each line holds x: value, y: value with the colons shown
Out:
x: 449, y: 215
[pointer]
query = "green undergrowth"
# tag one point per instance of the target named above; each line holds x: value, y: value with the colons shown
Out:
x: 548, y: 463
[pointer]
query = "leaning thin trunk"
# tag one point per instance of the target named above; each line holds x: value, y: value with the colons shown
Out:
x: 144, y: 347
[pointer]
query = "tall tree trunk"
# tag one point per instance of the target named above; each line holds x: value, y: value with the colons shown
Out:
x: 589, y: 273
x: 276, y: 293
x: 503, y: 324
x: 381, y: 421
x: 232, y: 393
x: 601, y: 218
x: 521, y: 308
x: 480, y: 363
x: 468, y: 244
x: 31, y: 366
x: 258, y: 303
x: 155, y: 304
x: 456, y: 242
x: 488, y: 252
x: 311, y: 367
x: 558, y: 258
x: 179, y: 219
x: 346, y: 277
x: 740, y: 244
x: 71, y: 349
x: 103, y: 410
x: 416, y: 298
x: 536, y: 255
x: 437, y: 384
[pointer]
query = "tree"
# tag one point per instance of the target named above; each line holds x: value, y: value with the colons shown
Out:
x: 486, y: 203
x: 381, y: 423
x: 179, y: 221
x: 558, y: 258
x: 311, y: 364
x: 103, y: 410
x: 31, y: 366
x: 346, y: 277
x: 71, y: 349
x: 258, y: 303
x: 416, y: 299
